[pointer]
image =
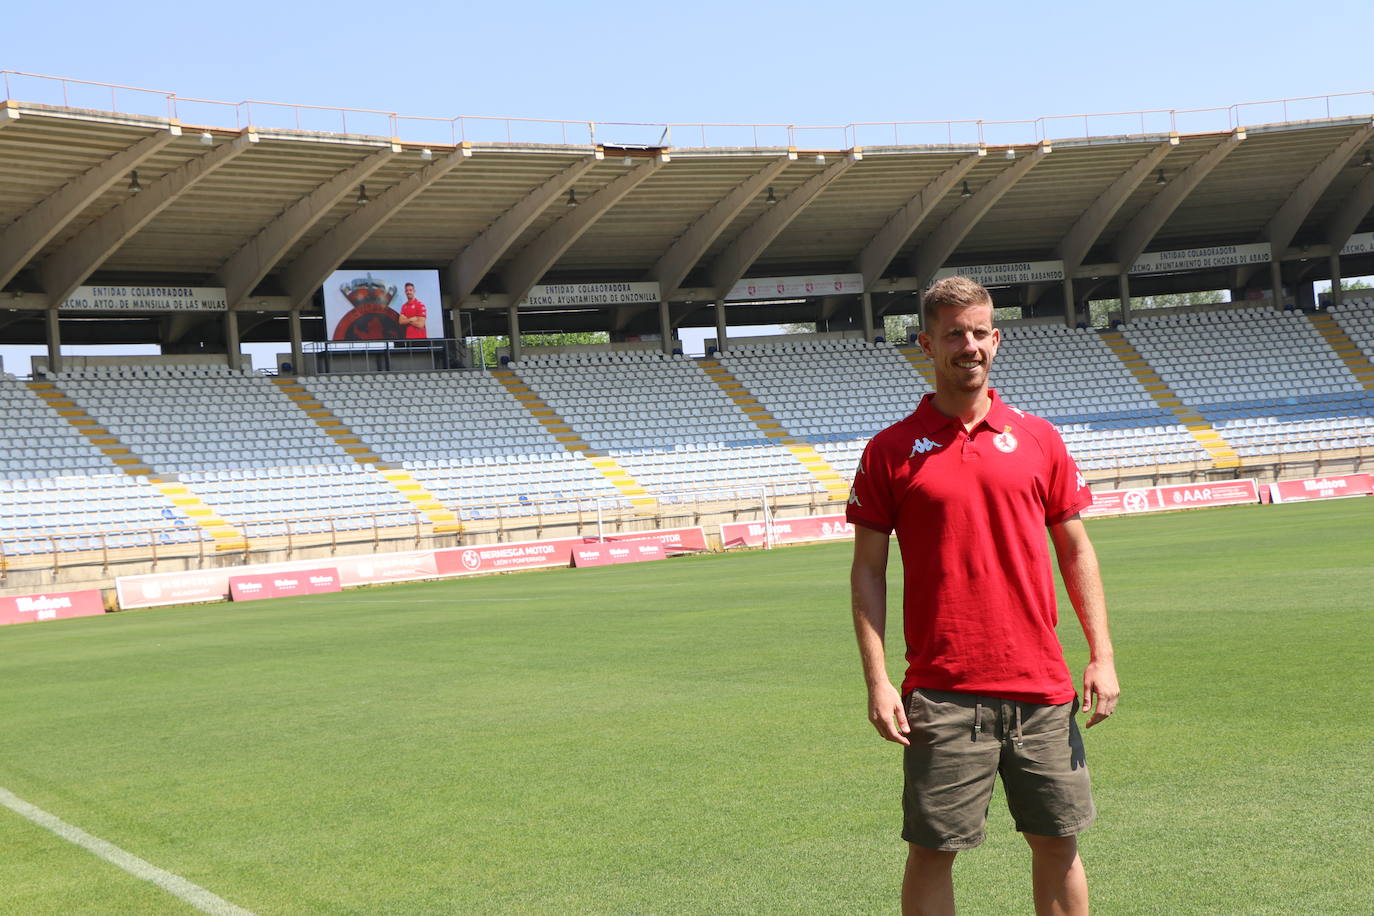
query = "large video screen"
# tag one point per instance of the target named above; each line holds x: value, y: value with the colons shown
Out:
x: 383, y: 305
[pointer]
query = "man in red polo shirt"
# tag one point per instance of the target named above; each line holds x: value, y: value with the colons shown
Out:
x: 413, y: 315
x: 970, y: 484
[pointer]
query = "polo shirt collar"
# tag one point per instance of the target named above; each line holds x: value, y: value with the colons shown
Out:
x: 998, y: 418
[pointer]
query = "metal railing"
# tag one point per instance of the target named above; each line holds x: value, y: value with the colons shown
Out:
x: 34, y: 88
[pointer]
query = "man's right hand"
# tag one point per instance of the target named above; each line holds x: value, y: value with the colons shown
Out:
x: 887, y: 714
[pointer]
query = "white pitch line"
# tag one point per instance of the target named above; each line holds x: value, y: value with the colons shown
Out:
x: 176, y: 885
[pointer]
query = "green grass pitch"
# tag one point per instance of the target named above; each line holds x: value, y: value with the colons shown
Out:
x: 685, y: 737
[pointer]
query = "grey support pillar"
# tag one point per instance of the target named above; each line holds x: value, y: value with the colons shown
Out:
x: 1276, y: 281
x: 455, y: 315
x: 665, y: 327
x: 297, y: 348
x: 1124, y: 281
x: 1070, y: 305
x: 513, y: 318
x: 54, y: 341
x: 867, y: 302
x: 231, y: 340
x: 721, y: 342
x: 1335, y: 278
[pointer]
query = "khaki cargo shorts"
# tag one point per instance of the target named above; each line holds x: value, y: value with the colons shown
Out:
x: 961, y: 741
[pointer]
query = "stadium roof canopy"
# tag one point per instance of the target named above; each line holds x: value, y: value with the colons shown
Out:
x: 265, y: 201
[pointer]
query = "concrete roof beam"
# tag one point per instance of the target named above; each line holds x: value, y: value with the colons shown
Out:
x: 529, y: 266
x: 247, y: 267
x: 309, y: 271
x: 1080, y: 239
x: 1342, y: 224
x: 26, y: 236
x: 732, y: 263
x: 69, y: 267
x: 883, y: 247
x: 481, y: 254
x: 946, y: 238
x: 1140, y: 231
x: 672, y: 268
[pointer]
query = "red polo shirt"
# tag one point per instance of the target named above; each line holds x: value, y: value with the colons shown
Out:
x: 970, y: 510
x: 414, y: 308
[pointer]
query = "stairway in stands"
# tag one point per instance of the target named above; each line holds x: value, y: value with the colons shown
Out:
x: 563, y: 432
x: 443, y: 519
x: 835, y: 485
x: 224, y: 536
x: 1217, y: 448
x: 1345, y: 348
x: 921, y: 363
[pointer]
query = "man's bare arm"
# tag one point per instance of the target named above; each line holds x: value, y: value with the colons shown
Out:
x: 1083, y: 581
x: 868, y: 591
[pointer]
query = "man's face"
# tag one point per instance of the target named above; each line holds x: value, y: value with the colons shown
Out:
x: 410, y: 290
x: 962, y: 344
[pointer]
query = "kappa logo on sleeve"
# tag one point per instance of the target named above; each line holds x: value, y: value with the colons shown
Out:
x: 1078, y: 478
x: 854, y: 498
x: 921, y: 446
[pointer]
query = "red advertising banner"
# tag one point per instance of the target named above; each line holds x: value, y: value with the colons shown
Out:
x: 376, y: 568
x: 467, y: 561
x: 156, y: 589
x: 1185, y: 496
x: 51, y: 606
x: 786, y: 531
x: 674, y: 540
x: 187, y: 587
x: 585, y: 555
x: 371, y: 569
x: 284, y: 584
x: 608, y: 553
x: 1296, y: 491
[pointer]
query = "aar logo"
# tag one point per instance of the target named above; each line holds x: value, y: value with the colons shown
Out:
x: 1005, y: 441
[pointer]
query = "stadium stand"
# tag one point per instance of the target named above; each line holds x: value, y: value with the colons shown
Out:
x: 1107, y: 418
x: 237, y: 441
x: 137, y: 228
x: 667, y: 424
x: 1265, y: 379
x: 1270, y: 383
x: 66, y: 513
x: 462, y: 435
x: 35, y: 442
x: 1356, y: 319
x: 57, y: 489
x: 835, y: 394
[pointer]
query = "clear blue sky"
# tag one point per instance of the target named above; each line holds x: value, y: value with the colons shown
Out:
x: 801, y: 62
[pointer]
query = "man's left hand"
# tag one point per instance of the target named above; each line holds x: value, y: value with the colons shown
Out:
x: 1100, y: 691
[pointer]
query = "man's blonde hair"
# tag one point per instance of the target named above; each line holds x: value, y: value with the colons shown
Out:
x: 960, y: 291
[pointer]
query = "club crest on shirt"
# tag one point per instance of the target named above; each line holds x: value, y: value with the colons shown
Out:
x: 1004, y: 440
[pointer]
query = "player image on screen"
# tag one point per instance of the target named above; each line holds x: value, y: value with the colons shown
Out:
x: 370, y: 304
x: 413, y: 315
